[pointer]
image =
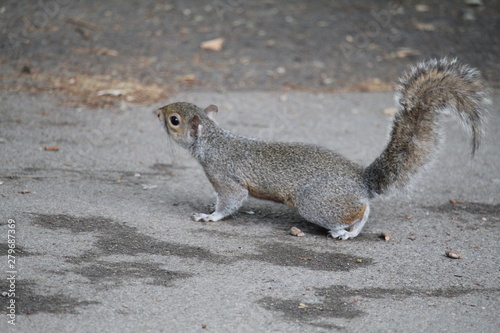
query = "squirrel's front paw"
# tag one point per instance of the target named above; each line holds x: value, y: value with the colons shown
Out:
x: 206, y: 217
x: 200, y: 217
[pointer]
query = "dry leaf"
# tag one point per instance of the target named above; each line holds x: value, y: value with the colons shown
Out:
x: 373, y: 84
x: 51, y: 148
x: 303, y: 258
x: 81, y: 23
x: 424, y: 26
x: 111, y: 92
x: 405, y: 52
x: 453, y: 201
x: 422, y: 8
x: 187, y: 80
x: 106, y: 51
x: 213, y: 44
x: 25, y: 191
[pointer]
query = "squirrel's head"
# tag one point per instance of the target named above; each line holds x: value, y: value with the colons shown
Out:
x: 184, y: 121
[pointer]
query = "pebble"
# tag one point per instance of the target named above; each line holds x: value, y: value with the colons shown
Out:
x: 296, y: 232
x: 453, y: 255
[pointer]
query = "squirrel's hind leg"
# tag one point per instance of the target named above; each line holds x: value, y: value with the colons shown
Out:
x: 340, y: 207
x: 353, y: 230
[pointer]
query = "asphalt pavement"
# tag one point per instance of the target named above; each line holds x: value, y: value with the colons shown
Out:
x: 95, y: 201
x: 100, y: 201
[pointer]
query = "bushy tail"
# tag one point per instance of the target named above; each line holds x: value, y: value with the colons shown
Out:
x: 427, y: 91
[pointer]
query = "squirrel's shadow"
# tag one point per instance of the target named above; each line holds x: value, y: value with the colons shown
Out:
x: 283, y: 218
x: 280, y: 217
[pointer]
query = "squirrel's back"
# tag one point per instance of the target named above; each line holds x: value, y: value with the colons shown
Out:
x: 275, y: 170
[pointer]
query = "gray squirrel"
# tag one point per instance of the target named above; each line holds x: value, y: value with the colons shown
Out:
x: 326, y: 188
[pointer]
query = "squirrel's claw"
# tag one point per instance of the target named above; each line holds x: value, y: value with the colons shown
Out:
x: 342, y: 234
x: 200, y: 217
x: 214, y: 217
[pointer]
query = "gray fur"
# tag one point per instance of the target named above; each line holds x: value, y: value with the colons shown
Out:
x: 424, y: 95
x: 326, y: 188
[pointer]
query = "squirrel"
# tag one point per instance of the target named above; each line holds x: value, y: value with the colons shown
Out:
x: 325, y: 187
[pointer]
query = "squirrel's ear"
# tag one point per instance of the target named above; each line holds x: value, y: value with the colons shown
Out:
x: 193, y: 126
x: 211, y: 111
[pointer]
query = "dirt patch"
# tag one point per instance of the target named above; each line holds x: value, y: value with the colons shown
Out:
x: 114, y: 238
x: 476, y: 208
x: 343, y: 302
x: 94, y: 91
x: 20, y: 252
x: 30, y: 302
x: 104, y: 273
x: 289, y: 255
x: 470, y: 215
x: 147, y: 48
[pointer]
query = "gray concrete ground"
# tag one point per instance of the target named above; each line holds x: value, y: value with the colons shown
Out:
x: 104, y: 241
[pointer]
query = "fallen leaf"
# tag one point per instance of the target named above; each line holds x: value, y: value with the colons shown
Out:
x: 111, y: 92
x: 372, y: 85
x: 303, y: 258
x: 405, y: 52
x: 25, y: 191
x: 303, y: 306
x: 453, y: 201
x: 81, y: 23
x: 106, y: 51
x: 424, y: 26
x: 422, y: 8
x: 51, y: 148
x: 188, y: 80
x: 213, y: 44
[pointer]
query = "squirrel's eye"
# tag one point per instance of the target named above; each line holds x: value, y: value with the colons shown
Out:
x: 175, y: 121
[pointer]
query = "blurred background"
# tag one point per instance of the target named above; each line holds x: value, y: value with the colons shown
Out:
x: 103, y: 53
